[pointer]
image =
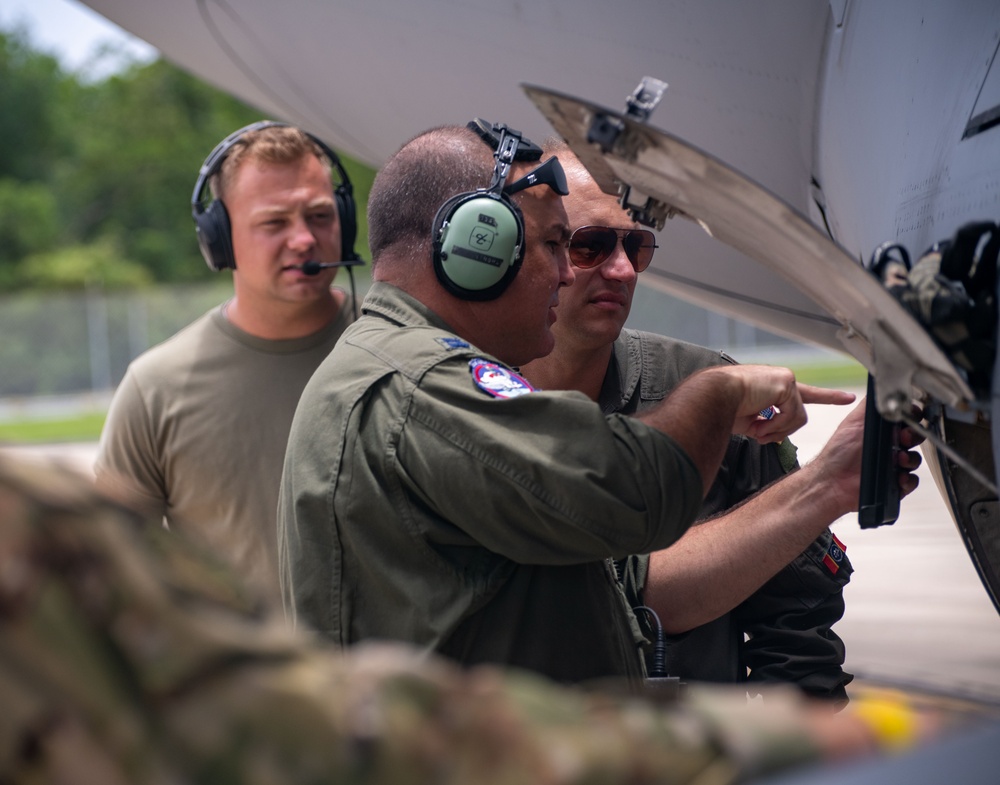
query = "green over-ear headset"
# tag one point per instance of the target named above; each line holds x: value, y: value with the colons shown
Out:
x: 478, y: 236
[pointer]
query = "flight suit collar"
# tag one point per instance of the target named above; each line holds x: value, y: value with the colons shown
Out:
x: 392, y: 303
x: 622, y: 377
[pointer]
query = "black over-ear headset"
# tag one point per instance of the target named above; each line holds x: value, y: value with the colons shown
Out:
x: 212, y: 221
x: 478, y: 236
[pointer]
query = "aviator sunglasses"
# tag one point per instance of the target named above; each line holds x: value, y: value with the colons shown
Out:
x: 590, y: 246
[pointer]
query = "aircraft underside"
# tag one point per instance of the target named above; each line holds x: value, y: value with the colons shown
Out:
x: 974, y: 507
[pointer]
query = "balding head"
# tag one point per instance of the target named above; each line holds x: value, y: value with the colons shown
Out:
x: 406, y: 196
x: 574, y: 168
x: 407, y: 192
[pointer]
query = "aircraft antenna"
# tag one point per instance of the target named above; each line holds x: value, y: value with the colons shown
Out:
x: 645, y: 98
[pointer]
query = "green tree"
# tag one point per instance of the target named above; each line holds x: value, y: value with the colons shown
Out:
x: 32, y: 90
x: 28, y: 224
x: 100, y: 264
x: 134, y: 169
x: 32, y: 85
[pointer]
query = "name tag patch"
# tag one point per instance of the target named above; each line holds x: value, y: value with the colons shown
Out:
x: 453, y: 343
x: 498, y: 381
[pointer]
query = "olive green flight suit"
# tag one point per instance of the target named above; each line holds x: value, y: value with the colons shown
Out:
x: 788, y: 620
x: 417, y: 507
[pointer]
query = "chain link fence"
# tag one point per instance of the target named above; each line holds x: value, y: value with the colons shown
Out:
x: 73, y: 348
x: 70, y: 350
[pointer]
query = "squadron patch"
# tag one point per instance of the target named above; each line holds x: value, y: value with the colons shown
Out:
x: 834, y: 555
x: 498, y: 381
x: 453, y: 342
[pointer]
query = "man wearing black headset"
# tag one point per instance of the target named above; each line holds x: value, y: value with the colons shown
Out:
x: 197, y: 429
x: 429, y: 493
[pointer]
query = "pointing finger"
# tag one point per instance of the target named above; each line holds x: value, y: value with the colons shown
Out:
x: 811, y: 394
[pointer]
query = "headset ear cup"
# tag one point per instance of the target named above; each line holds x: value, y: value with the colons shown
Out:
x: 214, y: 238
x: 478, y: 241
x: 347, y: 212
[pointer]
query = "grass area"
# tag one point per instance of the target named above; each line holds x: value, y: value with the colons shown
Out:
x: 82, y: 428
x: 836, y: 374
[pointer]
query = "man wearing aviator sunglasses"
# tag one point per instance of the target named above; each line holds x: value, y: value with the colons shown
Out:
x: 592, y: 246
x: 770, y: 569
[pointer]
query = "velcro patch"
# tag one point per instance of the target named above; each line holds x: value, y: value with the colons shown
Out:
x: 834, y: 555
x: 500, y: 382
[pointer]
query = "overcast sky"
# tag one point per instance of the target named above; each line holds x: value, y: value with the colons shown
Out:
x: 69, y: 30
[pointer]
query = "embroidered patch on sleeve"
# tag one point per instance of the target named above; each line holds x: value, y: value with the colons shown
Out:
x: 452, y: 342
x: 834, y: 555
x: 498, y: 381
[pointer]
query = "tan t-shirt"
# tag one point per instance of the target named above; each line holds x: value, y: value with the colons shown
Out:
x: 198, y: 427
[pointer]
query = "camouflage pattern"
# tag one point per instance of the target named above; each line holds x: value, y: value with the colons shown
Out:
x: 129, y: 656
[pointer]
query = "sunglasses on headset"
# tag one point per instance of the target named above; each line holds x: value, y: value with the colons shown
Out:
x: 590, y: 246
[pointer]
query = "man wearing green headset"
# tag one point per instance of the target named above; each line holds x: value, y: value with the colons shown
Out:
x: 430, y: 494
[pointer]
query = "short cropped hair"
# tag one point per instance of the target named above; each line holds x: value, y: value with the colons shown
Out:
x: 271, y: 145
x: 557, y: 146
x: 421, y: 176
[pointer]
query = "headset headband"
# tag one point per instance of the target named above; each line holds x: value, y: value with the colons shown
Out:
x: 213, y: 163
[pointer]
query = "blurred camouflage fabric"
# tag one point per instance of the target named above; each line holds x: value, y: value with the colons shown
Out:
x: 128, y: 656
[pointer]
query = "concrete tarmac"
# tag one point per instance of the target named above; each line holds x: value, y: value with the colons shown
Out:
x: 917, y: 613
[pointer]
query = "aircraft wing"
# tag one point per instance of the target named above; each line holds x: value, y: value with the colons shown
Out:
x: 668, y: 177
x: 873, y: 119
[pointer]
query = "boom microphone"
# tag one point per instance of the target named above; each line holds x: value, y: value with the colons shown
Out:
x: 312, y: 267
